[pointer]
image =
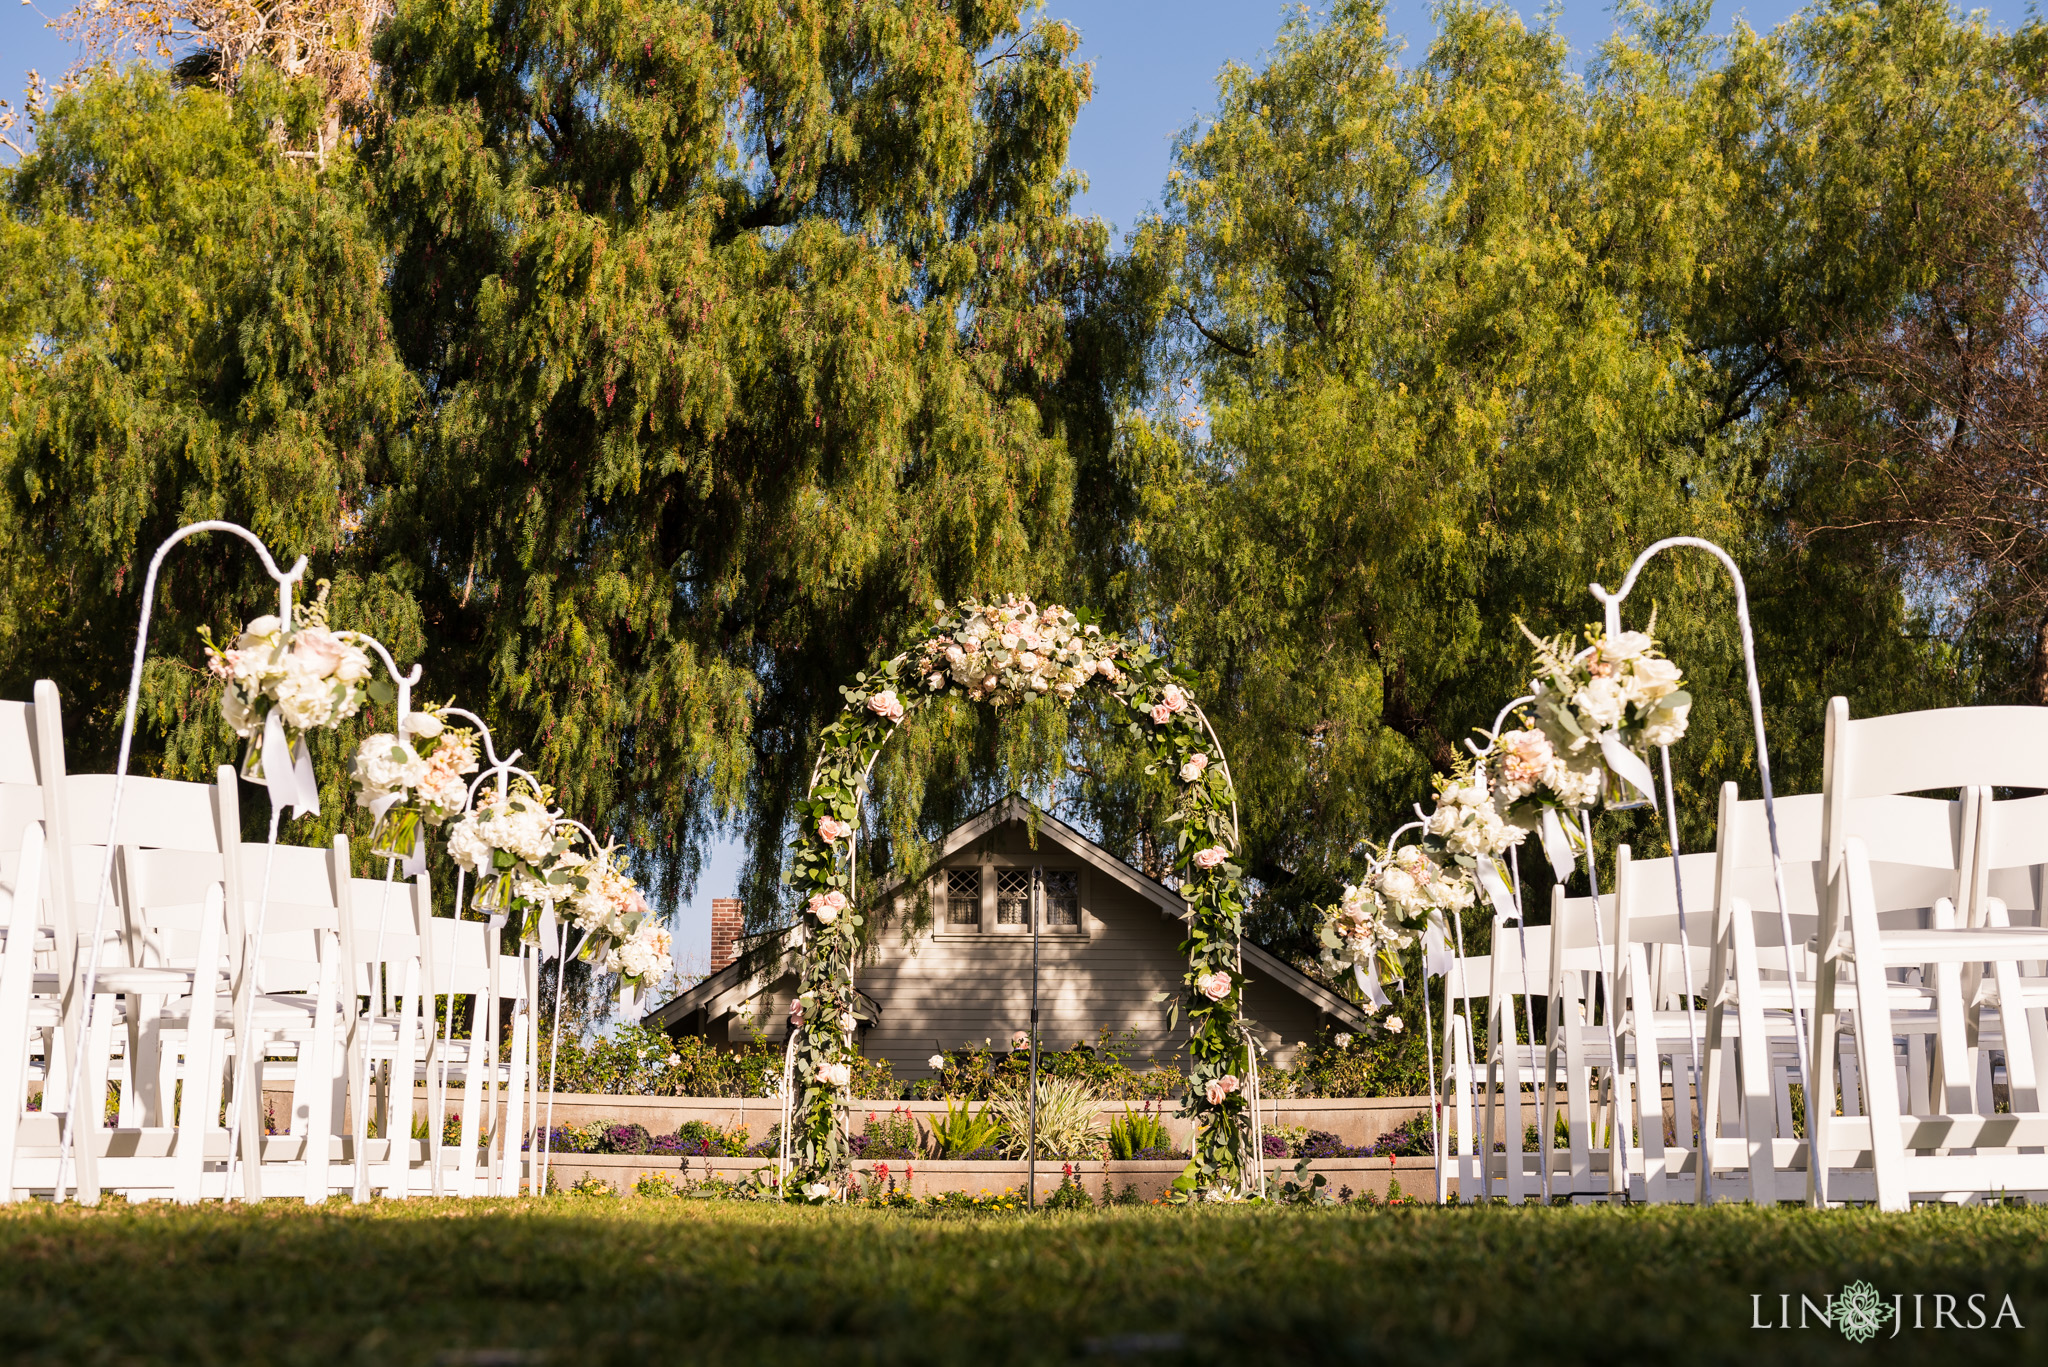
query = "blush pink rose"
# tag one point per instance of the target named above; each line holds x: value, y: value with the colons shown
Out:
x: 834, y: 830
x: 1161, y: 714
x: 319, y: 649
x: 1211, y: 857
x: 886, y: 704
x: 1215, y: 986
x: 1220, y: 1088
x: 826, y: 906
x: 1173, y: 699
x: 1197, y: 765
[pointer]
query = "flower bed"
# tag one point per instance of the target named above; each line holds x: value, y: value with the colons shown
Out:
x: 1103, y: 1183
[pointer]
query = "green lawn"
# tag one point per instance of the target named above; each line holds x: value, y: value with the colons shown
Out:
x: 587, y: 1279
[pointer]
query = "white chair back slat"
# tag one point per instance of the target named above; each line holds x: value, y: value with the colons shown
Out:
x: 1920, y: 752
x: 18, y: 744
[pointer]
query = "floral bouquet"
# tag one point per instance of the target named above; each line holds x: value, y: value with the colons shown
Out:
x: 509, y: 844
x: 1597, y: 709
x: 622, y: 933
x: 412, y: 778
x: 306, y: 675
x: 1012, y: 651
x: 1404, y: 898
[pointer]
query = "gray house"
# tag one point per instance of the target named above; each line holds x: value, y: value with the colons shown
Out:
x: 1109, y: 943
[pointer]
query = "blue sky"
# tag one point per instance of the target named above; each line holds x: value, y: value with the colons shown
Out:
x: 1155, y: 73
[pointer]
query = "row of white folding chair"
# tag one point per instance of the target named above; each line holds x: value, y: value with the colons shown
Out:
x: 305, y: 940
x: 1956, y: 1151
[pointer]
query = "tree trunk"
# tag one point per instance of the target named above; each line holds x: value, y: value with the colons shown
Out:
x: 2037, y: 675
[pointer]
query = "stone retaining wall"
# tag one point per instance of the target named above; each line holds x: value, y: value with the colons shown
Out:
x: 1356, y: 1121
x: 1417, y: 1176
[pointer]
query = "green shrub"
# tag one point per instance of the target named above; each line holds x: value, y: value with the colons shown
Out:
x: 979, y: 1071
x: 640, y: 1060
x: 1375, y: 1061
x: 1071, y: 1195
x: 1067, y: 1127
x: 655, y: 1184
x: 964, y: 1130
x: 1136, y: 1132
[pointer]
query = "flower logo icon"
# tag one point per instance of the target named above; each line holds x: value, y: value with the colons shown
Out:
x: 1860, y: 1312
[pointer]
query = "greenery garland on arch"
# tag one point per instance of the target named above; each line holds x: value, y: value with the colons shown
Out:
x: 1002, y: 654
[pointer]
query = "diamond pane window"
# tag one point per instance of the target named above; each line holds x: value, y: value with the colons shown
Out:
x: 963, y: 897
x: 1062, y: 898
x: 1013, y: 897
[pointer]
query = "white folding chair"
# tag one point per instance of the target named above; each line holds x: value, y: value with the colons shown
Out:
x: 1579, y: 1057
x: 1656, y: 1036
x: 1517, y: 969
x: 1935, y: 1152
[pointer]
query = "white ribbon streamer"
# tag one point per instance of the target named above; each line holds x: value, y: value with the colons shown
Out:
x: 288, y: 770
x: 1368, y: 976
x: 1436, y: 949
x: 1495, y: 887
x: 1629, y: 765
x: 550, y: 945
x: 1557, y: 846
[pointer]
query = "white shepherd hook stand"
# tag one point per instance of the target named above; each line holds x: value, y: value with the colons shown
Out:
x: 1612, y: 602
x: 284, y: 580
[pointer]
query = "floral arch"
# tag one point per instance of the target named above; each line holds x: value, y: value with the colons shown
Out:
x: 1003, y: 654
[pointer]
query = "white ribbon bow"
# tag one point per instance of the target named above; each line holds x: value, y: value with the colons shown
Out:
x: 1436, y: 947
x: 1557, y: 846
x: 288, y: 770
x: 1495, y: 887
x: 1368, y: 975
x: 1629, y: 765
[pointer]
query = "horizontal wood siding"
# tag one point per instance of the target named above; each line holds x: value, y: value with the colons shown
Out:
x: 945, y: 989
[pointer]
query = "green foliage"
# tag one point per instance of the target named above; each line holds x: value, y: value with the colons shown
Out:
x: 191, y: 326
x: 963, y: 1129
x: 639, y: 1060
x: 1372, y: 1062
x: 1066, y: 1119
x: 656, y: 1184
x: 749, y: 330
x: 1134, y: 1132
x: 590, y: 1184
x: 1665, y: 1283
x: 1069, y: 1195
x: 1441, y: 341
x: 977, y: 1070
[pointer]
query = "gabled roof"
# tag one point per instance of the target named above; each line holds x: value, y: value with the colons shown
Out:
x: 766, y: 958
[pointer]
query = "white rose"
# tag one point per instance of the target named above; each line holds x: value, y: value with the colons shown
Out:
x: 234, y: 709
x: 355, y: 664
x: 468, y: 848
x: 1396, y: 883
x: 1626, y: 645
x: 1394, y: 1026
x: 1652, y: 679
x: 1602, y: 702
x: 258, y: 632
x: 1666, y: 725
x: 306, y: 699
x: 937, y: 1063
x: 1343, y: 1039
x: 385, y: 762
x: 421, y: 725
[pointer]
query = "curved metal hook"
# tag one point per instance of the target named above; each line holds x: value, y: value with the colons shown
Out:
x: 490, y: 741
x: 404, y: 681
x: 1500, y: 718
x: 1612, y: 602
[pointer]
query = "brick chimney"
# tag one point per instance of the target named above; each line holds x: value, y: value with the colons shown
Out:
x: 726, y: 924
